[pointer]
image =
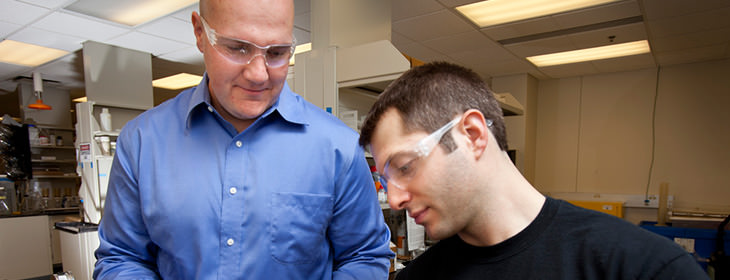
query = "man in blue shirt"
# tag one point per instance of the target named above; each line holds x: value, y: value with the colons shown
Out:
x: 239, y: 177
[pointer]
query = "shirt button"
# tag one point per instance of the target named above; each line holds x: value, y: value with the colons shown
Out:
x: 239, y: 144
x: 230, y: 242
x: 210, y: 109
x: 232, y: 190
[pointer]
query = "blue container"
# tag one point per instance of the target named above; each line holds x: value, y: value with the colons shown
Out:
x: 705, y: 239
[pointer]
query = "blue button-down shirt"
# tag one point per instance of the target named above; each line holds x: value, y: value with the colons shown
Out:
x: 291, y: 197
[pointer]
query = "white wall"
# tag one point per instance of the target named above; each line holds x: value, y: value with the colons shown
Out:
x: 521, y: 129
x: 597, y: 133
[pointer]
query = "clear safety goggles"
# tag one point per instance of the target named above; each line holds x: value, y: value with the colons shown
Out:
x: 243, y: 52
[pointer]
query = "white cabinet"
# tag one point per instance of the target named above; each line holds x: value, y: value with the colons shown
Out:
x: 348, y: 79
x: 94, y: 156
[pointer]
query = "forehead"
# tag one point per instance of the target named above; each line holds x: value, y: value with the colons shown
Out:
x: 260, y: 21
x: 389, y: 137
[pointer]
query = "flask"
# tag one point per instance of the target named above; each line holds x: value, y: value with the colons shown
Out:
x: 106, y: 119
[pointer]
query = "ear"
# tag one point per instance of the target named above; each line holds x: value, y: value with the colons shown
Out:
x: 477, y: 131
x: 198, y: 30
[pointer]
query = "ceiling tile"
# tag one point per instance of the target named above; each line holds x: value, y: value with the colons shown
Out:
x: 461, y: 42
x: 419, y: 51
x: 543, y: 46
x: 522, y: 28
x: 399, y: 39
x: 569, y: 70
x: 603, y: 13
x: 626, y: 63
x: 170, y: 28
x: 50, y: 4
x: 622, y: 34
x: 9, y: 71
x: 481, y: 56
x: 456, y: 3
x: 503, y: 68
x: 692, y: 55
x: 658, y: 9
x: 189, y: 55
x: 691, y: 40
x: 303, y: 22
x: 431, y: 26
x: 302, y: 6
x: 20, y: 13
x: 48, y: 39
x: 73, y: 25
x: 186, y: 13
x: 6, y: 28
x: 146, y: 43
x: 70, y: 72
x: 302, y: 36
x: 690, y: 23
x: 404, y: 9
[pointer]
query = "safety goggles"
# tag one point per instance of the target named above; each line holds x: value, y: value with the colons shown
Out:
x: 400, y: 169
x: 243, y: 52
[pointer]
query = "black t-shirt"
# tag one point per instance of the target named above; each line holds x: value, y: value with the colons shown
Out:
x: 563, y: 242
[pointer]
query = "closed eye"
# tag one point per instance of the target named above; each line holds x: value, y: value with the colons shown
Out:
x: 407, y: 168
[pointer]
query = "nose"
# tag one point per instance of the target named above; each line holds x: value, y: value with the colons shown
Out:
x: 397, y: 198
x: 256, y: 70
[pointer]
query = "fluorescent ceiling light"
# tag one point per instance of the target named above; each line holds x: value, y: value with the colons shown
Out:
x: 128, y: 12
x: 617, y: 50
x: 182, y: 80
x: 493, y: 12
x: 300, y: 49
x: 20, y: 53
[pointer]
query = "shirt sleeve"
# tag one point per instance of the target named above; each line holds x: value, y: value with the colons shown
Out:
x: 359, y: 235
x: 125, y: 250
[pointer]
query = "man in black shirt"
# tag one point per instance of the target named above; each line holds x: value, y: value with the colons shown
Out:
x: 438, y: 139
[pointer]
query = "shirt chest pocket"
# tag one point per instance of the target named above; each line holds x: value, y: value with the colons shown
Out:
x: 298, y: 225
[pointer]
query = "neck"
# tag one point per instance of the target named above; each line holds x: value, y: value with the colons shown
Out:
x: 510, y: 203
x: 239, y: 124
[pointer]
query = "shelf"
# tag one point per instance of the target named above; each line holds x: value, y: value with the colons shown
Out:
x: 52, y: 147
x: 53, y: 161
x: 54, y: 127
x: 56, y: 177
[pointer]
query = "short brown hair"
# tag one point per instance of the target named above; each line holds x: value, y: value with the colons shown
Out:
x: 428, y: 96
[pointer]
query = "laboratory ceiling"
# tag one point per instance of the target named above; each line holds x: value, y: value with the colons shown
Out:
x: 678, y: 31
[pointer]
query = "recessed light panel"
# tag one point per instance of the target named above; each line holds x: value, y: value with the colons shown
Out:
x: 128, y: 12
x: 494, y: 12
x: 25, y: 54
x: 178, y: 81
x: 604, y: 52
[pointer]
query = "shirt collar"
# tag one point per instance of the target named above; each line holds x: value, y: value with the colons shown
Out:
x: 289, y: 106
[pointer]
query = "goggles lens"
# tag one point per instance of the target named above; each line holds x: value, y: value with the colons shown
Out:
x: 243, y: 52
x: 403, y: 166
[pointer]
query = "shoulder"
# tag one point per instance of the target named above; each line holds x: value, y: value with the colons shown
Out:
x: 167, y: 112
x: 162, y: 120
x: 317, y: 122
x: 611, y: 241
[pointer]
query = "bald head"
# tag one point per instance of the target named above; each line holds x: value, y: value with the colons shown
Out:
x: 285, y: 7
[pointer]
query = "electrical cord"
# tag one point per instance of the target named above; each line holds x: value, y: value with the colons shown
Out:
x: 653, y: 135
